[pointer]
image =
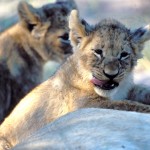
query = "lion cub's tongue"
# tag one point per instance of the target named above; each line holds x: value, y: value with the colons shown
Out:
x: 104, y: 84
x: 98, y: 82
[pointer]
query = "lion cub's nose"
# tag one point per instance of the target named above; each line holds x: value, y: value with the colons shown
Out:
x: 110, y: 76
x: 111, y: 69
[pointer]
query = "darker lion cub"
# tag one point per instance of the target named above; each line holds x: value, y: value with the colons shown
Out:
x: 39, y: 36
x: 99, y: 71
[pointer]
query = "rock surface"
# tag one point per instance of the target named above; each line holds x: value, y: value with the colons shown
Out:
x: 93, y: 129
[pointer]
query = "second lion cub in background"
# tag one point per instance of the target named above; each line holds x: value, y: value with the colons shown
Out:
x: 98, y: 73
x: 40, y: 35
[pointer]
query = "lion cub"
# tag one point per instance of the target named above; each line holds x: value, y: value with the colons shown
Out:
x: 40, y: 35
x: 99, y: 71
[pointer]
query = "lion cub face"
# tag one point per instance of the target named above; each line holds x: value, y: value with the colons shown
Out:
x: 107, y: 52
x: 48, y: 28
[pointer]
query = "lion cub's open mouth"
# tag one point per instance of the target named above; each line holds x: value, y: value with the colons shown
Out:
x: 104, y: 84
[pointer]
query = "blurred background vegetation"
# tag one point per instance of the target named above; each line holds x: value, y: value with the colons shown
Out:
x: 133, y: 14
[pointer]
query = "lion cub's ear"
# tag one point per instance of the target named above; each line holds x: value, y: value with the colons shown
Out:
x: 33, y: 19
x: 28, y: 14
x: 142, y: 34
x: 78, y: 28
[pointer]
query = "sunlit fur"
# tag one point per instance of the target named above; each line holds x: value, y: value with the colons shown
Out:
x: 39, y: 36
x: 71, y: 87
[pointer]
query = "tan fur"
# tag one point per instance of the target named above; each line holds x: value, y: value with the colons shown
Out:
x: 72, y: 88
x: 40, y: 35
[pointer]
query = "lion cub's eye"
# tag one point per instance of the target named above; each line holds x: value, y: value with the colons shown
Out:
x: 98, y: 52
x: 65, y: 36
x: 124, y: 55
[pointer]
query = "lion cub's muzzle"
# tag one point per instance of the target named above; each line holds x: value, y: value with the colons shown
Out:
x: 110, y: 84
x: 110, y: 72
